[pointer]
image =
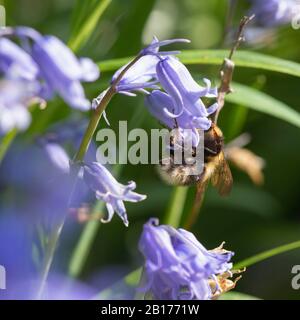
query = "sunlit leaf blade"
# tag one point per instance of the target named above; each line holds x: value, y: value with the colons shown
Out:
x: 259, y: 101
x: 215, y: 57
x: 80, y: 10
x: 267, y: 254
x: 237, y: 296
x: 242, y: 59
x: 89, y: 24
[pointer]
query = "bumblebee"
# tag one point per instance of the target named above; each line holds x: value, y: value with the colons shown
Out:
x: 215, y: 168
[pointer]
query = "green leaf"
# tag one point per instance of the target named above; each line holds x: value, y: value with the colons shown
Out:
x: 89, y: 24
x: 267, y: 254
x: 259, y: 101
x: 80, y: 10
x: 215, y: 57
x: 237, y: 296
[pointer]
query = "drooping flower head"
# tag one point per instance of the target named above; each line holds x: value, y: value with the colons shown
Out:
x: 181, y: 105
x: 109, y: 190
x: 178, y: 266
x: 58, y: 69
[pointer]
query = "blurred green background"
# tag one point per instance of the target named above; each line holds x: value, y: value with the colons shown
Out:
x: 251, y: 219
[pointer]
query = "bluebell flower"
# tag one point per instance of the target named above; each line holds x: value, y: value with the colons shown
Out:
x: 67, y: 133
x: 15, y: 62
x: 274, y: 12
x: 15, y: 97
x: 181, y: 104
x: 59, y: 69
x: 178, y: 266
x: 142, y: 75
x: 109, y: 190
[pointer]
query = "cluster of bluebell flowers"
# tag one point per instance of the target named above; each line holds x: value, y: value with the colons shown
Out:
x: 37, y: 69
x: 178, y: 266
x: 178, y: 106
x: 175, y: 99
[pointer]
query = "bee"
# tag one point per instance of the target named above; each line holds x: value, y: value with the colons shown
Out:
x: 215, y: 167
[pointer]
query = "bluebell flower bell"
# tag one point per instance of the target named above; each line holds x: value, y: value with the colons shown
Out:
x: 15, y: 97
x: 59, y: 69
x: 178, y: 266
x: 142, y: 75
x: 274, y: 12
x: 109, y: 190
x: 181, y: 105
x: 15, y: 62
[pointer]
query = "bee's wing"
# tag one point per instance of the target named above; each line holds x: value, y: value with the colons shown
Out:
x: 222, y: 177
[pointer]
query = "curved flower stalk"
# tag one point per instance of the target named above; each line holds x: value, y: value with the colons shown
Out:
x: 109, y: 190
x: 274, y: 12
x: 177, y: 266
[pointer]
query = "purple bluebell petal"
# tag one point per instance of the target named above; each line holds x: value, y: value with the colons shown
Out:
x: 89, y: 70
x: 58, y: 156
x: 177, y: 266
x: 109, y: 190
x: 141, y: 75
x: 15, y: 62
x: 62, y: 70
x: 157, y: 102
x: 15, y: 96
x: 274, y: 12
x: 153, y: 48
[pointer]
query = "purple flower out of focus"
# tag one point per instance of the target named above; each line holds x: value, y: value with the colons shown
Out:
x: 15, y: 96
x: 59, y: 68
x: 18, y: 88
x: 109, y: 190
x: 274, y: 12
x: 177, y: 266
x: 42, y: 67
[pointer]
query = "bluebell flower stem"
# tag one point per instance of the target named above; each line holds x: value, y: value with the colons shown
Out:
x: 176, y: 206
x: 79, y: 157
x: 87, y: 237
x: 97, y: 113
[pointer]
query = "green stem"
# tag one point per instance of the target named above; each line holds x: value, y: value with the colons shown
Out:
x: 98, y: 113
x: 176, y: 206
x: 6, y: 143
x: 83, y: 246
x: 267, y: 254
x: 92, y: 126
